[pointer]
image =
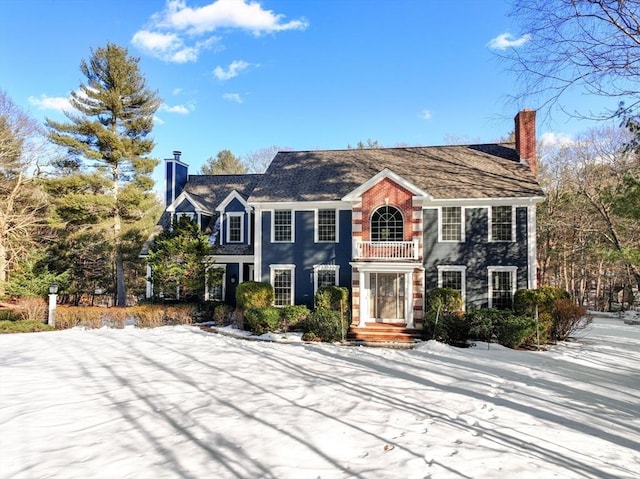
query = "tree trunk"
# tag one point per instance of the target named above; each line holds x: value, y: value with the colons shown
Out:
x: 3, y: 267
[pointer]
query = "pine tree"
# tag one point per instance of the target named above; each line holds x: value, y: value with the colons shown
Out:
x: 178, y: 260
x: 109, y: 133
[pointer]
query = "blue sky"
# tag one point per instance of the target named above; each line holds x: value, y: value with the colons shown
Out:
x: 312, y: 74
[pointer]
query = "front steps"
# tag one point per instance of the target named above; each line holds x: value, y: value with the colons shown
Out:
x: 384, y: 333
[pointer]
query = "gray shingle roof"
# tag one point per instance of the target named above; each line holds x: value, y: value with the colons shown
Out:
x: 445, y: 172
x: 210, y: 190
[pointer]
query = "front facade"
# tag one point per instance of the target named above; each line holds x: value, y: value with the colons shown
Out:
x: 390, y: 224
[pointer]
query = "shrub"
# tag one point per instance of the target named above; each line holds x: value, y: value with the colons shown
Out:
x: 222, y: 315
x: 8, y: 315
x: 331, y: 297
x: 23, y: 326
x: 32, y: 309
x: 445, y: 300
x: 262, y: 320
x: 570, y: 318
x: 446, y: 327
x: 545, y: 297
x: 252, y: 294
x: 326, y: 325
x: 292, y: 317
x: 511, y: 330
x: 481, y: 323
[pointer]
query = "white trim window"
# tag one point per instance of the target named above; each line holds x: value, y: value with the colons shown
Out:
x: 235, y: 227
x: 283, y: 282
x: 451, y: 224
x: 502, y: 286
x: 282, y: 226
x: 215, y: 282
x: 387, y: 224
x: 326, y: 226
x: 502, y: 223
x: 325, y: 275
x: 453, y: 277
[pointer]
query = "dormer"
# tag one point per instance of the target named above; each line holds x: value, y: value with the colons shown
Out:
x: 235, y: 220
x: 187, y: 205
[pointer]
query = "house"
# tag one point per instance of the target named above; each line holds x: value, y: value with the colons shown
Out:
x: 390, y: 224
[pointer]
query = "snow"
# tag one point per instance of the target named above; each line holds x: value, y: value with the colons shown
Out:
x: 179, y: 402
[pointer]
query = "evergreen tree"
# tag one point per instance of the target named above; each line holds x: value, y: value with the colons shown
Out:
x: 224, y: 163
x: 109, y: 133
x: 178, y: 260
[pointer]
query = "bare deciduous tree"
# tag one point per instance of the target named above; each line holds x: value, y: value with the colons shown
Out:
x: 590, y: 44
x: 22, y: 202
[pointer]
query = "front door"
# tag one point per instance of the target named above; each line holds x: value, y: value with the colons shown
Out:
x: 387, y: 296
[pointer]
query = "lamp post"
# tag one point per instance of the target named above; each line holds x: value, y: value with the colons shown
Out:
x: 53, y: 299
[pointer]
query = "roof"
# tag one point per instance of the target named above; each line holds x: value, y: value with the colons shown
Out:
x: 208, y: 191
x: 444, y: 172
x: 211, y: 190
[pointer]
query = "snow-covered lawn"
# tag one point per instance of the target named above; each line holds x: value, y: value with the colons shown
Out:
x: 177, y: 402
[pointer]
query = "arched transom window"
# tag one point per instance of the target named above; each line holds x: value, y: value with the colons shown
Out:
x: 387, y: 224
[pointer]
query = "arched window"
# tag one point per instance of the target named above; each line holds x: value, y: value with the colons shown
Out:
x: 387, y: 224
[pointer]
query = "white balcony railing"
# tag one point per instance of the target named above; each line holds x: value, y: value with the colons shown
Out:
x: 386, y: 250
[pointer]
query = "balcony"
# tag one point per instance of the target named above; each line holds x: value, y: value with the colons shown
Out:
x: 386, y: 250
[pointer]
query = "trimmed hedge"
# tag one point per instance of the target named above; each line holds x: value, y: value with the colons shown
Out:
x: 501, y: 326
x: 330, y: 298
x: 446, y: 299
x: 252, y: 294
x: 325, y: 325
x: 262, y: 320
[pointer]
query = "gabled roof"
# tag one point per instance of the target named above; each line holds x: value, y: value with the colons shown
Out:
x: 194, y: 200
x: 211, y: 190
x: 444, y: 172
x: 388, y: 174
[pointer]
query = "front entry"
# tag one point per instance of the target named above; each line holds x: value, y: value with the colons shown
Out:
x: 387, y: 300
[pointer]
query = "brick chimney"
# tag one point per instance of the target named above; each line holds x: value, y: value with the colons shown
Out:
x: 526, y: 139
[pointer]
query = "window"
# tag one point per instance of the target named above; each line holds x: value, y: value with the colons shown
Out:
x: 451, y: 225
x: 502, y: 287
x: 326, y: 226
x: 453, y: 277
x: 282, y: 282
x: 215, y: 280
x: 502, y: 223
x: 387, y: 224
x: 325, y: 275
x: 235, y: 228
x: 282, y: 226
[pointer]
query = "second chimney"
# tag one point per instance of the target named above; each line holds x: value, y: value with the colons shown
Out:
x: 525, y: 132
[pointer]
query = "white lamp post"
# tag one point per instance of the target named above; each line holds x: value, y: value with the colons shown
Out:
x: 53, y: 299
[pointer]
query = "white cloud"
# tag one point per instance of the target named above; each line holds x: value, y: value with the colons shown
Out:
x: 224, y: 14
x: 179, y: 109
x: 555, y: 139
x: 179, y: 33
x: 51, y: 103
x: 235, y: 97
x: 234, y: 68
x: 157, y: 120
x: 169, y: 46
x: 506, y: 40
x: 425, y: 114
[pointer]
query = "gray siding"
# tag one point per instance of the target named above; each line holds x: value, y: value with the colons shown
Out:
x: 476, y: 253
